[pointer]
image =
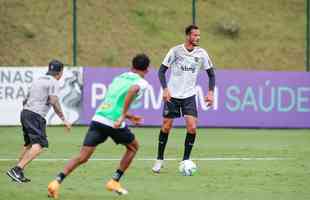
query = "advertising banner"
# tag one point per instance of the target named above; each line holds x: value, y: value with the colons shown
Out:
x: 14, y: 84
x: 242, y: 98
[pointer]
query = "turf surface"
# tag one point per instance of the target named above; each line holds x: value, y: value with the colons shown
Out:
x: 232, y: 164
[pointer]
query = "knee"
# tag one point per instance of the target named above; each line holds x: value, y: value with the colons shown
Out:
x: 166, y: 127
x: 136, y: 147
x: 35, y: 147
x: 133, y: 147
x: 191, y: 128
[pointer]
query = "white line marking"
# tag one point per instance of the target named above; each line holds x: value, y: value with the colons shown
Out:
x: 171, y: 159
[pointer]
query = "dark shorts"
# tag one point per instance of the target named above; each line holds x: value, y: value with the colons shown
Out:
x: 34, y: 126
x: 99, y: 133
x: 180, y: 107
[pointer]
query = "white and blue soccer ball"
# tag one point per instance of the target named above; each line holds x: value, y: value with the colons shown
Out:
x: 187, y: 168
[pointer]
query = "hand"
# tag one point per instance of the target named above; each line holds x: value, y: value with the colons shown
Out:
x: 209, y: 98
x: 119, y: 121
x: 166, y: 95
x: 67, y: 125
x: 135, y: 119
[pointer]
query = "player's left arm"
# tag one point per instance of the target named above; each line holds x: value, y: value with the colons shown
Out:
x: 210, y: 96
x: 208, y: 66
x: 132, y: 93
x: 53, y: 99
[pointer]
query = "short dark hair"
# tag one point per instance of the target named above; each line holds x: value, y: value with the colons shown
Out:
x: 55, y: 67
x: 189, y: 29
x: 141, y: 62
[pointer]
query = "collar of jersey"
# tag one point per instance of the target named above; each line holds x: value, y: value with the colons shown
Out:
x: 189, y: 52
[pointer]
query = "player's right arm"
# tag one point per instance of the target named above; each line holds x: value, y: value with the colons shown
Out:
x: 167, y: 62
x: 132, y: 93
x: 162, y: 78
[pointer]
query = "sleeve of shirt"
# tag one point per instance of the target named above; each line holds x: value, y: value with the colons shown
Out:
x: 143, y: 85
x: 170, y: 58
x: 207, y: 63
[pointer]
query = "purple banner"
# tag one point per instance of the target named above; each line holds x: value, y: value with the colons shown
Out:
x: 242, y: 98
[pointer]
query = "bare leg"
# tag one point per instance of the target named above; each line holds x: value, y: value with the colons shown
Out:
x: 83, y: 157
x: 131, y: 150
x: 24, y: 151
x: 113, y: 184
x: 85, y: 154
x: 29, y: 155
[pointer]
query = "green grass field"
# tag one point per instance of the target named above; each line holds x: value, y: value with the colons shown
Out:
x: 110, y: 33
x: 281, y: 172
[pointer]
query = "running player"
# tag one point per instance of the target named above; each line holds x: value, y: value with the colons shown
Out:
x: 40, y: 98
x: 109, y: 121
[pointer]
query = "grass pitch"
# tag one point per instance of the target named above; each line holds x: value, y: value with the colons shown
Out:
x: 233, y: 164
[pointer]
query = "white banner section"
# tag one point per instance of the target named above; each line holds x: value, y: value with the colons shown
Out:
x: 14, y: 85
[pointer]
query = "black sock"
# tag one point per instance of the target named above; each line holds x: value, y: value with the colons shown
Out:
x: 18, y: 169
x: 60, y: 177
x: 188, y: 145
x: 162, y: 141
x: 117, y: 175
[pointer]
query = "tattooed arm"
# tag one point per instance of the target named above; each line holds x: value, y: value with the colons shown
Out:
x: 53, y: 100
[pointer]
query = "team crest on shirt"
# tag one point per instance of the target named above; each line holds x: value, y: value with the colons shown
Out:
x: 106, y: 106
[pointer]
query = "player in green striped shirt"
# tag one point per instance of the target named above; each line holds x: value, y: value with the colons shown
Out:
x: 109, y: 121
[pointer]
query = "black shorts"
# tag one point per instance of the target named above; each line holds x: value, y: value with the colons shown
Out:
x: 98, y: 133
x: 180, y: 107
x: 34, y: 126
